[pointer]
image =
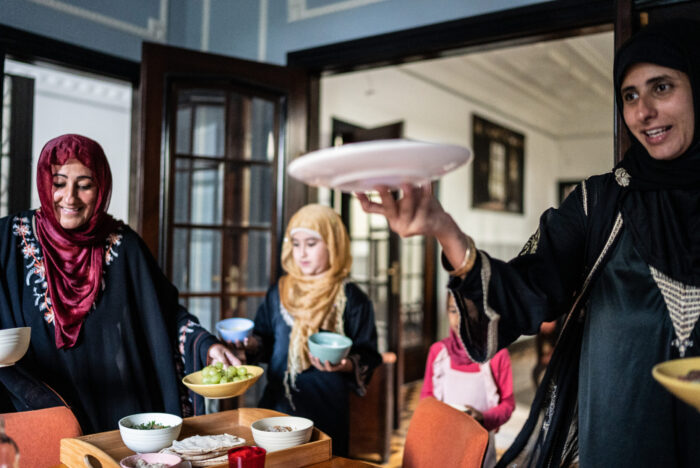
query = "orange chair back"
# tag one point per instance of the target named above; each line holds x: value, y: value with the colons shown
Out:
x: 441, y: 436
x: 38, y: 434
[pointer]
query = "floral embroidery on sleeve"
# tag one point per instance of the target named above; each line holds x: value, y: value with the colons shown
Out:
x: 34, y: 263
x: 185, y: 331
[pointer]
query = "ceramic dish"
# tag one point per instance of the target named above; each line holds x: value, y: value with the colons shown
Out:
x: 271, y: 441
x: 14, y: 343
x: 668, y: 374
x: 163, y: 458
x: 328, y: 346
x: 360, y: 167
x: 222, y: 390
x: 149, y: 440
x: 234, y: 329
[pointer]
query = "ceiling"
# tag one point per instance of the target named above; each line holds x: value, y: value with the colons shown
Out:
x: 562, y: 88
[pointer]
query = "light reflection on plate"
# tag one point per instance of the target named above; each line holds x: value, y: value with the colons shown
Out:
x: 360, y: 167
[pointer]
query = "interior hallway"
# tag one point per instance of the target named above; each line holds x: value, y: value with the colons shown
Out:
x: 523, y: 359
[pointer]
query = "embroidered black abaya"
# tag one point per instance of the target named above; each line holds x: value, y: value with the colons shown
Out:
x: 621, y: 257
x: 134, y: 346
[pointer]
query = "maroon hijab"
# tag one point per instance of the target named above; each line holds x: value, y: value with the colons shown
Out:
x: 73, y: 258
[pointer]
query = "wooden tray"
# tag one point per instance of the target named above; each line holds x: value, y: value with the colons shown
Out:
x: 107, y: 448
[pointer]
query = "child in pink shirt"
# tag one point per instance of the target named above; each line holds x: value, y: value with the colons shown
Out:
x: 484, y: 391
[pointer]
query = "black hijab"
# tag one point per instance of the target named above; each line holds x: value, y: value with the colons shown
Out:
x: 661, y: 204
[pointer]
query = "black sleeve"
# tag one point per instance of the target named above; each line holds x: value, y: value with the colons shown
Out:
x: 361, y: 328
x: 264, y: 331
x: 499, y: 301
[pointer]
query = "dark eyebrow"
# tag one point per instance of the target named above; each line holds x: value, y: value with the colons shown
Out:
x: 650, y: 82
x: 83, y: 177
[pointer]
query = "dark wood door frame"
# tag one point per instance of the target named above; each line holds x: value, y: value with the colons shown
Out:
x: 30, y: 47
x: 543, y: 21
x: 516, y: 26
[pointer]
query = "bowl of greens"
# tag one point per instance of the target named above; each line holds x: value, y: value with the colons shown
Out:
x: 149, y: 432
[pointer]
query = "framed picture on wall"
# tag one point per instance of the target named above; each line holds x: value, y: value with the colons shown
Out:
x: 566, y: 187
x: 499, y: 165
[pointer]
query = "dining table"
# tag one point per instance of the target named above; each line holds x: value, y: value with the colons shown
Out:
x: 334, y: 462
x: 106, y: 449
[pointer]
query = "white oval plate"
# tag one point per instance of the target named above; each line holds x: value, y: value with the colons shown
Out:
x: 360, y: 167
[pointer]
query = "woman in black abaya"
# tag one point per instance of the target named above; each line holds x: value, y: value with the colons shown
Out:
x: 620, y: 257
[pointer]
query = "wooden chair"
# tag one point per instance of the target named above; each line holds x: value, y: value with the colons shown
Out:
x: 441, y: 436
x: 38, y: 434
x: 372, y: 416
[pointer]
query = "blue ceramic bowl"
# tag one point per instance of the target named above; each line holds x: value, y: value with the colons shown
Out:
x: 234, y: 329
x: 330, y: 347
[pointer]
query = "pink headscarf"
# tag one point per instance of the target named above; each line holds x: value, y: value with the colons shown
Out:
x: 455, y: 348
x: 73, y: 258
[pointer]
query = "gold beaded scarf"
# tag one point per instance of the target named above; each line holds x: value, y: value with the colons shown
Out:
x: 314, y: 302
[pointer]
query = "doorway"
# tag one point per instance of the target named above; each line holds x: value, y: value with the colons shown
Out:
x: 42, y: 101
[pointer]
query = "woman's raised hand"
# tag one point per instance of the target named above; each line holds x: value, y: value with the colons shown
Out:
x: 418, y: 212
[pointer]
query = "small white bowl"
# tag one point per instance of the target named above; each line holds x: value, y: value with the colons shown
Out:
x: 149, y: 440
x: 14, y: 343
x: 272, y: 441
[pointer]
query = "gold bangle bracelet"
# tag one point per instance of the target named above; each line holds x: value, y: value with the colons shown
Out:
x: 469, y: 260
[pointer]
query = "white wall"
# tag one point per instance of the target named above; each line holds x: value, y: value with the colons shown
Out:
x: 99, y: 109
x: 382, y: 96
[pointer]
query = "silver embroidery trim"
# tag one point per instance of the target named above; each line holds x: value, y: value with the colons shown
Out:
x: 584, y: 194
x: 622, y: 177
x: 683, y: 304
x: 530, y: 246
x: 492, y: 315
x: 611, y: 238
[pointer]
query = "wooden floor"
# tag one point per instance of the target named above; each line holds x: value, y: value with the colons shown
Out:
x: 411, y: 397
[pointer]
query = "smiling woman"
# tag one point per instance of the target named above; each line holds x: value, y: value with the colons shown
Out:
x: 619, y: 260
x: 74, y: 194
x: 658, y: 109
x: 108, y: 337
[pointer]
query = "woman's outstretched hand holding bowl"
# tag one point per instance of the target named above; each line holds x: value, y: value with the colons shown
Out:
x: 345, y: 365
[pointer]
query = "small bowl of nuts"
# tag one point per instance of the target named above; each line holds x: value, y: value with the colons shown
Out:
x: 281, y: 432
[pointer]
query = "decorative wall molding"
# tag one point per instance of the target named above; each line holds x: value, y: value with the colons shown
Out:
x: 74, y: 87
x: 262, y: 30
x: 298, y: 10
x: 206, y: 23
x: 156, y: 30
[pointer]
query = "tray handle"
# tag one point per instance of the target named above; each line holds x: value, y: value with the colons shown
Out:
x: 76, y: 453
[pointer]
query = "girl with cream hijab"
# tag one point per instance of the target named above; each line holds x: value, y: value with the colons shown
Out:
x: 314, y: 294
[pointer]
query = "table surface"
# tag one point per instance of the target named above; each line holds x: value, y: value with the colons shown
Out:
x: 335, y: 462
x: 340, y: 462
x: 109, y: 447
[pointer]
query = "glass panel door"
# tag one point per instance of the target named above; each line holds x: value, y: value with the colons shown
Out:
x: 223, y: 199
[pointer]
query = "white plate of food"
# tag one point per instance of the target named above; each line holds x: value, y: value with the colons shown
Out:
x: 360, y: 167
